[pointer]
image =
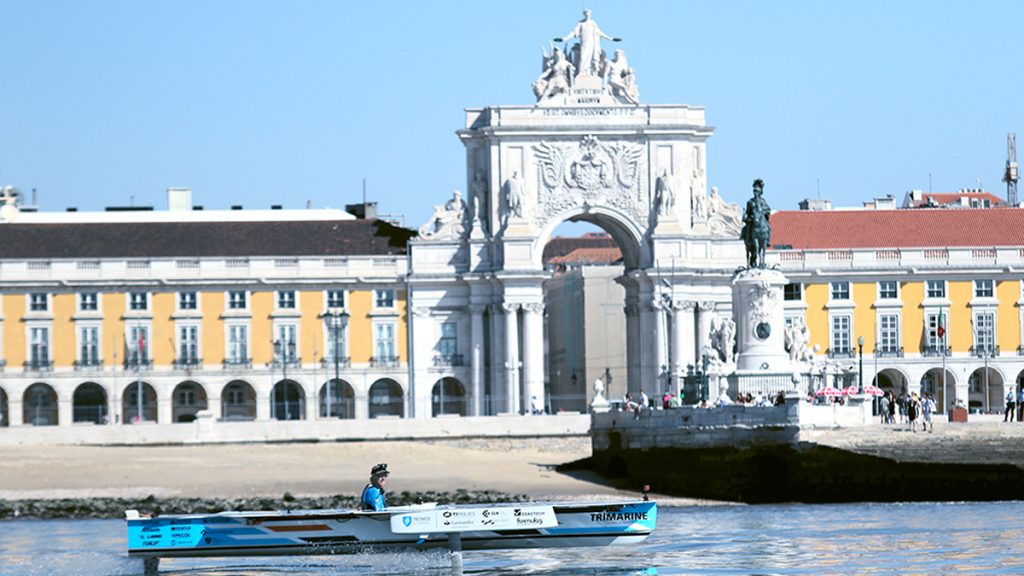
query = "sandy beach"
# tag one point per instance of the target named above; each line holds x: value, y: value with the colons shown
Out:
x: 516, y: 467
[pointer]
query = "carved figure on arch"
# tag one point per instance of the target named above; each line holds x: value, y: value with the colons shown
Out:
x: 622, y: 79
x: 514, y: 196
x: 448, y: 220
x: 664, y: 195
x: 556, y: 76
x: 588, y: 51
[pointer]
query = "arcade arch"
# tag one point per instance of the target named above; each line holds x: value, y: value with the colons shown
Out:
x: 130, y: 403
x: 448, y: 396
x: 40, y: 405
x: 342, y: 400
x: 892, y: 380
x: 238, y: 401
x: 90, y: 404
x: 942, y: 389
x: 188, y: 399
x: 986, y: 390
x: 386, y: 398
x: 287, y: 401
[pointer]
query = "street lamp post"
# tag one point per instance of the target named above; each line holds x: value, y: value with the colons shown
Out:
x: 285, y: 350
x: 336, y: 321
x: 860, y: 369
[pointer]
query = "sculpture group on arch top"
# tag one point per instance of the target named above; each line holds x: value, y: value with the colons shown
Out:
x: 588, y: 172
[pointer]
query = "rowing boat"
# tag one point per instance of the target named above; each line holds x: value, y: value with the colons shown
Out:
x: 424, y: 526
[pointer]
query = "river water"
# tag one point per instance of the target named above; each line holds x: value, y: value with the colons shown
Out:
x: 919, y: 538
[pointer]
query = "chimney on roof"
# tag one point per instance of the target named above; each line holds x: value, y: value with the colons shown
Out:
x: 179, y: 199
x: 363, y: 210
x: 815, y: 204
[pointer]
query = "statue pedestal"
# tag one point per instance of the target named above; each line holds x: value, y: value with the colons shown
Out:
x: 760, y: 325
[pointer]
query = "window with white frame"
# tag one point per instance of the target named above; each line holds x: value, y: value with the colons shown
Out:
x: 889, y: 332
x: 38, y: 302
x: 285, y: 299
x: 384, y: 342
x: 138, y: 344
x: 935, y: 289
x: 384, y: 298
x: 138, y: 301
x: 985, y: 332
x: 88, y: 302
x: 841, y: 334
x: 449, y: 344
x: 286, y: 346
x: 888, y: 290
x: 840, y: 290
x: 236, y: 300
x: 188, y: 344
x: 238, y: 344
x: 39, y: 346
x: 984, y: 289
x: 188, y: 300
x: 335, y: 298
x: 89, y: 345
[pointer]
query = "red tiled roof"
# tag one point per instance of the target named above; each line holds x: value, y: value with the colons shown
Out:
x: 922, y: 228
x: 589, y: 256
x: 562, y: 245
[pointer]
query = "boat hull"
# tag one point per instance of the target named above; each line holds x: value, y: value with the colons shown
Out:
x: 317, y: 532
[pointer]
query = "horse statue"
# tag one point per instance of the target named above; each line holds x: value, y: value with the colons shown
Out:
x: 757, y: 232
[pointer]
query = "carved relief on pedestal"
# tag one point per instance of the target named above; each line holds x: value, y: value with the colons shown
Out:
x: 590, y: 173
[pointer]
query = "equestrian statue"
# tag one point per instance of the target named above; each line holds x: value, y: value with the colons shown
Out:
x: 757, y: 232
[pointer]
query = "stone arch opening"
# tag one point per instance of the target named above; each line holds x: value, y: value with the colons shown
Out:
x: 341, y: 397
x: 892, y: 380
x: 40, y: 405
x: 188, y: 399
x: 89, y: 404
x: 585, y: 298
x: 448, y: 396
x: 238, y: 401
x: 942, y: 389
x: 986, y: 391
x: 287, y: 401
x: 4, y: 417
x: 386, y: 398
x: 628, y: 235
x: 130, y: 403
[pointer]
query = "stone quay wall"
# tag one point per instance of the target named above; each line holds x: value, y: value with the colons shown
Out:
x: 801, y: 453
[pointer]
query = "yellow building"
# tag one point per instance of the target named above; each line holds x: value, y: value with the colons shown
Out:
x: 928, y: 299
x: 244, y: 314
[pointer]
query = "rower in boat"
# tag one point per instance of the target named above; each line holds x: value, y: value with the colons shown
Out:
x: 373, y: 493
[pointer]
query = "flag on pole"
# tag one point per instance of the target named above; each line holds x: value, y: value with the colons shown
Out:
x: 142, y: 344
x: 941, y: 330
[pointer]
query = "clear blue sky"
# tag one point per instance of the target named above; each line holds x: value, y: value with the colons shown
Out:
x: 259, y: 103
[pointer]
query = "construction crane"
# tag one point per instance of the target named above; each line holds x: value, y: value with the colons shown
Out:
x: 1010, y: 177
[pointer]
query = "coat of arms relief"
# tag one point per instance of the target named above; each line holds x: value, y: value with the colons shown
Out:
x: 590, y: 173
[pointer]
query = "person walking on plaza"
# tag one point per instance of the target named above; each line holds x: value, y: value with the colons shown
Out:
x: 883, y: 407
x: 1011, y: 406
x: 927, y: 407
x: 913, y: 409
x: 892, y: 408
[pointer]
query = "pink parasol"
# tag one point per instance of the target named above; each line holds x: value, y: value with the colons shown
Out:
x: 829, y: 392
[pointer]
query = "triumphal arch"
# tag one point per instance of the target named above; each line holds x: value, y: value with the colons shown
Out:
x: 588, y: 149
